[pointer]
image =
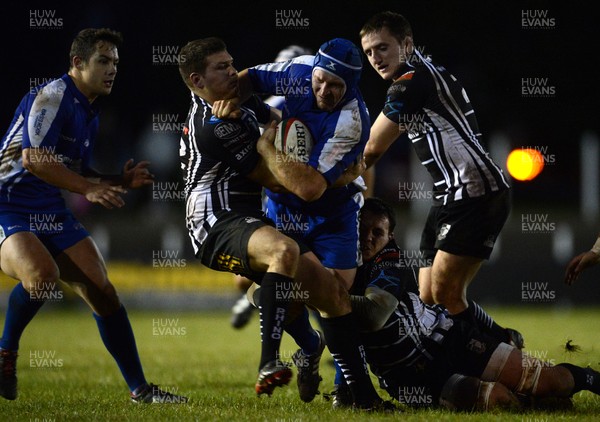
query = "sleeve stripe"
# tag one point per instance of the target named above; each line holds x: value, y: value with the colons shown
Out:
x: 44, y: 110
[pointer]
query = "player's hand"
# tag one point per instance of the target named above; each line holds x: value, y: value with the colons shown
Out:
x: 580, y: 263
x: 105, y: 195
x: 357, y: 168
x: 227, y: 109
x: 137, y: 176
x: 265, y: 142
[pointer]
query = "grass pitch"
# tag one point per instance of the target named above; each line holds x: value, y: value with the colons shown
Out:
x: 65, y: 373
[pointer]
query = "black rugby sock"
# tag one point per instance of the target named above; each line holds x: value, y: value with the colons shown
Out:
x: 585, y: 378
x: 344, y: 344
x: 486, y: 323
x: 272, y: 315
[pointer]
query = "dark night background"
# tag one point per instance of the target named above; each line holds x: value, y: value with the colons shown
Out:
x: 482, y: 43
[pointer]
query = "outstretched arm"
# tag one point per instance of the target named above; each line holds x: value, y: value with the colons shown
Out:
x: 49, y: 167
x: 383, y: 134
x: 133, y: 176
x: 581, y: 262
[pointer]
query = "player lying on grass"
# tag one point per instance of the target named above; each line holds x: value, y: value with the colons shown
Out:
x: 224, y: 173
x: 48, y: 147
x: 425, y: 357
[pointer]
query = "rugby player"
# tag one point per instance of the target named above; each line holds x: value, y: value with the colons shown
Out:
x: 322, y: 91
x: 471, y: 196
x: 223, y: 174
x: 425, y: 357
x: 48, y: 147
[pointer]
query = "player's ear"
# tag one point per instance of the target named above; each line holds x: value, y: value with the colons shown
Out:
x: 408, y: 44
x: 197, y: 80
x: 77, y: 62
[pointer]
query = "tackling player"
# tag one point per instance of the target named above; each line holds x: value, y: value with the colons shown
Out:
x: 48, y: 147
x: 223, y: 173
x: 471, y: 194
x: 425, y: 357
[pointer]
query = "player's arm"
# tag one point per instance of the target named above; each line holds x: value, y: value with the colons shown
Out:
x: 383, y: 134
x: 374, y: 308
x: 247, y: 86
x: 351, y: 173
x: 44, y: 122
x: 47, y: 166
x: 295, y: 177
x: 132, y: 176
x: 405, y: 97
x: 582, y: 261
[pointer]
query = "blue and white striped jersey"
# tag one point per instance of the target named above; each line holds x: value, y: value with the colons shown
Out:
x: 339, y: 136
x: 58, y: 118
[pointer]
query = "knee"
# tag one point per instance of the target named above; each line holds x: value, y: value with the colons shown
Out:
x: 105, y: 301
x: 42, y: 278
x: 286, y: 252
x: 446, y: 291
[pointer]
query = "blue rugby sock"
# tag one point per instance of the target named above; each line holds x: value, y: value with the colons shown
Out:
x: 21, y: 310
x: 303, y: 333
x: 117, y: 335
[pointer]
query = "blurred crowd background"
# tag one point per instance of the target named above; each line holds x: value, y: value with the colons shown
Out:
x: 494, y: 48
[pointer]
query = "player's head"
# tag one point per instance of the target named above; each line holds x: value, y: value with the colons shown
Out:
x: 93, y: 61
x: 207, y: 69
x: 336, y: 72
x: 292, y: 51
x: 387, y: 41
x: 377, y: 224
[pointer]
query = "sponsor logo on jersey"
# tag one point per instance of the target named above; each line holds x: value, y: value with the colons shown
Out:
x: 227, y: 130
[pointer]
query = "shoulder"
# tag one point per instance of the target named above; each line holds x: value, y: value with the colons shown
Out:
x: 349, y: 121
x: 50, y: 95
x: 297, y: 64
x: 404, y: 83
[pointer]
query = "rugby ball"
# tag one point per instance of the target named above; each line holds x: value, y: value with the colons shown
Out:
x: 294, y: 140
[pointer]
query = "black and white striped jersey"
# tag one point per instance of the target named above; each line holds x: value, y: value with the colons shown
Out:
x: 215, y: 157
x: 432, y: 107
x: 413, y: 328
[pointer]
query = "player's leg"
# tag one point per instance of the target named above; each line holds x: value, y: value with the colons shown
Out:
x: 330, y: 296
x: 529, y: 376
x: 22, y: 257
x: 275, y: 255
x: 450, y: 276
x: 464, y: 235
x: 532, y: 377
x: 464, y: 393
x: 242, y: 310
x: 83, y: 269
x: 425, y: 285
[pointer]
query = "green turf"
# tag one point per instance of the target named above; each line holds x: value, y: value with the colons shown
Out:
x: 201, y: 356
